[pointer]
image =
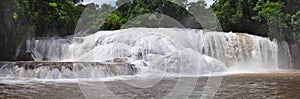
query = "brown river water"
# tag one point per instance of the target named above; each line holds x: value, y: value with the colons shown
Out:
x: 263, y: 85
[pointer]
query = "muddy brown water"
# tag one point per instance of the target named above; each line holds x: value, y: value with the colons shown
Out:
x: 268, y: 85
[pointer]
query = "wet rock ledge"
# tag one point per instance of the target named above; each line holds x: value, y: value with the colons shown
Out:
x: 65, y: 69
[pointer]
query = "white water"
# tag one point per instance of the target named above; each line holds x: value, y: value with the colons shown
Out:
x: 169, y: 51
x: 66, y: 70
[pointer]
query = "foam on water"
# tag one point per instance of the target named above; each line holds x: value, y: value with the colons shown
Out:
x: 165, y: 51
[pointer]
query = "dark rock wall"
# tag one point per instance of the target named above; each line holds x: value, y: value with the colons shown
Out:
x: 295, y: 53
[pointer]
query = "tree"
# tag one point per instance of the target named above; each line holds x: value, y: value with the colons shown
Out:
x: 271, y: 11
x: 136, y: 8
x: 296, y: 26
x: 112, y: 22
x: 270, y: 18
x: 26, y: 19
x: 230, y: 13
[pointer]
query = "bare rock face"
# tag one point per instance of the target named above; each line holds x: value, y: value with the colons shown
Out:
x: 119, y: 60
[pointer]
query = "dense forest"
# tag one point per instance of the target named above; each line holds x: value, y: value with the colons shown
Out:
x: 27, y: 19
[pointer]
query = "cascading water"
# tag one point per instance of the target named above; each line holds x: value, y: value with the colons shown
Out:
x: 163, y: 51
x: 247, y: 51
x: 63, y: 70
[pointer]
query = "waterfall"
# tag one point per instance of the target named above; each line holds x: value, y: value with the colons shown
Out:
x: 168, y: 51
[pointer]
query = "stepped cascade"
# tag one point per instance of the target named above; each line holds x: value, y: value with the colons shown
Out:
x: 142, y: 51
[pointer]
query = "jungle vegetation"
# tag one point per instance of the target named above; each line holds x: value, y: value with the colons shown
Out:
x: 27, y: 19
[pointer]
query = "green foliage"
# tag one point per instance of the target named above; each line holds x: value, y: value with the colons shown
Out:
x: 51, y: 18
x: 135, y: 8
x: 53, y: 4
x: 272, y: 12
x: 112, y: 22
x: 270, y: 18
x: 270, y: 9
x: 230, y: 13
x: 296, y: 26
x: 15, y: 16
x: 26, y: 19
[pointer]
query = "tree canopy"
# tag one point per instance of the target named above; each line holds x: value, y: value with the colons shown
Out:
x: 272, y: 18
x: 26, y: 19
x: 158, y: 8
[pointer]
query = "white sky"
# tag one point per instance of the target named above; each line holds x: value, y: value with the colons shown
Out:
x: 112, y: 2
x: 209, y: 2
x: 100, y: 2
